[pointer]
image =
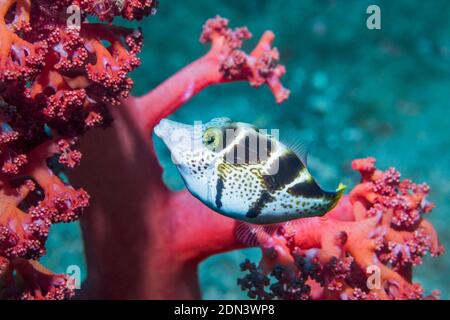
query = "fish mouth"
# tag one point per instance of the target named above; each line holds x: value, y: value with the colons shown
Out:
x: 160, y: 128
x: 174, y: 135
x: 166, y: 127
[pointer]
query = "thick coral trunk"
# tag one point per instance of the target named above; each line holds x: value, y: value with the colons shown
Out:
x: 143, y: 241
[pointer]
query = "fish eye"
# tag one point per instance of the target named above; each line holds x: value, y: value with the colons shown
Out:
x: 212, y: 138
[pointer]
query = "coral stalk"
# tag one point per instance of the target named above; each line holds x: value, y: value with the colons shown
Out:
x: 224, y: 62
x: 155, y: 253
x: 378, y: 228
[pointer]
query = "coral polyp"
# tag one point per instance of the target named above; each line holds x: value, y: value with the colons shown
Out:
x: 379, y: 230
x: 56, y: 81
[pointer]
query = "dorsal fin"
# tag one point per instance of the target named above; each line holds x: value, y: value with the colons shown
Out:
x: 297, y: 145
x: 301, y: 149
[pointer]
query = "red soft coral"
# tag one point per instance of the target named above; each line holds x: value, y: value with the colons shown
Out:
x: 258, y: 68
x: 56, y: 81
x: 32, y: 281
x: 106, y: 10
x: 156, y: 236
x: 20, y: 59
x: 379, y: 227
x: 224, y: 62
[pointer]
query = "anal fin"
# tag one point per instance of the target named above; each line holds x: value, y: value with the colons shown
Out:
x: 254, y: 235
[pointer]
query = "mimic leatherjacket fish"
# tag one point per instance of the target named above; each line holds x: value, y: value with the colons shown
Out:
x: 244, y: 173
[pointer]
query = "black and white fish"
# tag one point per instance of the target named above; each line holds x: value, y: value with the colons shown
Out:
x: 244, y: 173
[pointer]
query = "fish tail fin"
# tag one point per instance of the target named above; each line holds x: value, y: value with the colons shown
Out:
x: 341, y: 188
x: 253, y: 235
x: 339, y: 193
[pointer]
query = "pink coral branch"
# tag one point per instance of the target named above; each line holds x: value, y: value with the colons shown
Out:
x: 37, y: 283
x: 166, y: 233
x: 170, y: 232
x: 223, y: 63
x: 379, y: 225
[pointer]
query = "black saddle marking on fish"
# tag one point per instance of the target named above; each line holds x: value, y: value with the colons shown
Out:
x: 251, y: 148
x: 259, y: 204
x: 289, y: 167
x: 219, y: 191
x: 264, y: 148
x: 307, y: 189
